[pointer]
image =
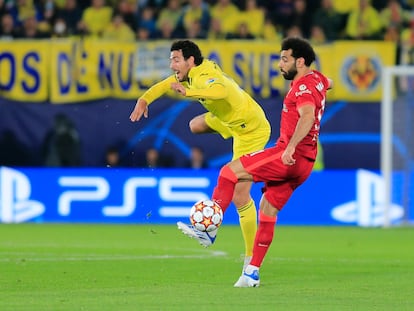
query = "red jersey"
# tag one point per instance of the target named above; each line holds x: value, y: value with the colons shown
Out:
x: 311, y: 88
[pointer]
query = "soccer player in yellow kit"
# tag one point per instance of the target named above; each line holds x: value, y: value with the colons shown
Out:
x: 231, y: 113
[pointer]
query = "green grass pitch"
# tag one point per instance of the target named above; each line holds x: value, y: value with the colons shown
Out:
x: 155, y: 267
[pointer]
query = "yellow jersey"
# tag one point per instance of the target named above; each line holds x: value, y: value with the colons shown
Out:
x: 218, y: 93
x: 232, y: 111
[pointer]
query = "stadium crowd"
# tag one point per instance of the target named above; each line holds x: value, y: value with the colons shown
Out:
x: 320, y: 21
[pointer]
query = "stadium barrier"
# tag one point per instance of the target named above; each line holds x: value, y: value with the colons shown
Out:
x: 164, y: 196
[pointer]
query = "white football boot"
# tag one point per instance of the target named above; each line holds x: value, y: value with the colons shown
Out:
x: 206, y: 239
x: 250, y: 277
x: 246, y: 262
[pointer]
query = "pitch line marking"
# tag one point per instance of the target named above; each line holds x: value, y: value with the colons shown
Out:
x: 212, y: 254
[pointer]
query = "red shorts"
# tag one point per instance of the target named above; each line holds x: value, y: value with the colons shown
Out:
x: 280, y: 179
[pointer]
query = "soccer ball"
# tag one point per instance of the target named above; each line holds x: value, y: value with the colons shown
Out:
x: 206, y: 215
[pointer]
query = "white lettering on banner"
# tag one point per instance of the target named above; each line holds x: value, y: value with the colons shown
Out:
x: 67, y: 197
x: 368, y: 209
x: 174, y: 211
x: 167, y: 185
x: 130, y: 197
x: 168, y: 194
x: 15, y: 203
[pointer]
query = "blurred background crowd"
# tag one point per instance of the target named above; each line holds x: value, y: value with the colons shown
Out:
x: 320, y: 21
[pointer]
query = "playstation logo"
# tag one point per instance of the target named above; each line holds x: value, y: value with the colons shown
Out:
x: 15, y: 203
x: 368, y: 210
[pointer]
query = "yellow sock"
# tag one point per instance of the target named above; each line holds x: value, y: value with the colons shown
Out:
x: 248, y: 225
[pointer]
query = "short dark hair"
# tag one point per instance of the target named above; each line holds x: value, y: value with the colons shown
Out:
x: 300, y: 48
x: 188, y: 48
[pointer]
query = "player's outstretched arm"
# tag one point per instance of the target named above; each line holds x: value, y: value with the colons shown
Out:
x: 140, y: 109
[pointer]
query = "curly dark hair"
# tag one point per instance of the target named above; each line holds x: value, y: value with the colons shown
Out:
x: 300, y: 48
x: 188, y: 48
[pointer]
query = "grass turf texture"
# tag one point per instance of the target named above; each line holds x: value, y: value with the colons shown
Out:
x: 155, y: 267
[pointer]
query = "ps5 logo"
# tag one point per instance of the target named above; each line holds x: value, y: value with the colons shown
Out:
x: 15, y: 203
x: 368, y: 209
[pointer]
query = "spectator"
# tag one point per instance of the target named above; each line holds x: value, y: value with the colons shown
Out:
x: 407, y: 36
x: 294, y: 31
x: 345, y: 7
x: 60, y: 29
x: 317, y: 36
x: 228, y: 14
x: 195, y: 31
x: 112, y: 157
x: 95, y: 19
x: 147, y: 20
x: 195, y: 11
x: 281, y: 13
x: 4, y: 7
x: 364, y: 23
x: 301, y: 17
x: 152, y: 158
x: 155, y: 5
x: 142, y: 34
x: 118, y: 30
x: 8, y: 31
x: 330, y: 20
x: 394, y: 15
x: 254, y: 17
x: 168, y: 19
x: 270, y: 32
x: 71, y: 13
x: 61, y: 146
x: 407, y: 44
x: 31, y: 30
x: 21, y: 9
x: 215, y: 32
x: 128, y: 11
x: 49, y: 10
x: 242, y: 32
x: 196, y: 160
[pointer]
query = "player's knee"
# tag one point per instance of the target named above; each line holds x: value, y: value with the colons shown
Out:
x: 197, y: 125
x: 228, y: 174
x: 193, y: 126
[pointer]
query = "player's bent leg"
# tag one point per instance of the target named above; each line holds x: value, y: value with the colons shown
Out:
x: 216, y: 126
x: 247, y: 214
x: 199, y: 126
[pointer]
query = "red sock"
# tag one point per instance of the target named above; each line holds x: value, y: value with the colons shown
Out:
x: 264, y: 238
x: 223, y: 192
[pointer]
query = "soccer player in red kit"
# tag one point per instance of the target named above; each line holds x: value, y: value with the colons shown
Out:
x: 287, y: 164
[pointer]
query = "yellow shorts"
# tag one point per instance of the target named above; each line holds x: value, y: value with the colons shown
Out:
x: 245, y: 139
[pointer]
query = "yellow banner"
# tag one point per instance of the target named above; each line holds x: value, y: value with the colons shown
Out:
x: 66, y: 71
x: 24, y: 72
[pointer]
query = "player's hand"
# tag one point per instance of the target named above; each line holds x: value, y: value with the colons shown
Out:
x: 287, y: 156
x: 140, y: 109
x: 179, y: 88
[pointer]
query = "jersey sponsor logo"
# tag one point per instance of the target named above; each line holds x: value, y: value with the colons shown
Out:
x: 368, y: 209
x: 211, y: 80
x: 15, y: 203
x: 302, y: 90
